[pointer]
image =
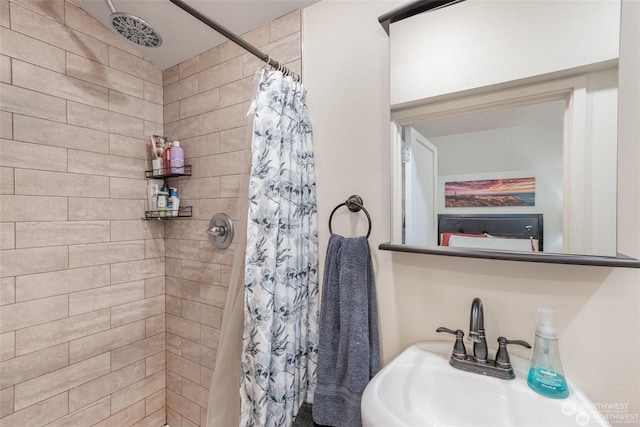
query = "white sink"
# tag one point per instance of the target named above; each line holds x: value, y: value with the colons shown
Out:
x: 420, y: 388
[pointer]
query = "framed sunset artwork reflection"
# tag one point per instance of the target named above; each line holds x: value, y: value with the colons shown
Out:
x: 490, y: 193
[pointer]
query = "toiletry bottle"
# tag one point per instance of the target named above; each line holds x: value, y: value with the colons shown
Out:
x: 546, y: 376
x: 177, y: 158
x: 174, y: 201
x: 166, y: 159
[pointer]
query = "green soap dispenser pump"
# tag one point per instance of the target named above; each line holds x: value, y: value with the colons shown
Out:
x: 546, y: 376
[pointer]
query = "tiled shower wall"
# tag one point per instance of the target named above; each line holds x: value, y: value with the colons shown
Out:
x: 206, y: 100
x: 82, y: 277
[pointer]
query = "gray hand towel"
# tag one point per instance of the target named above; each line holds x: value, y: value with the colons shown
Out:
x: 348, y: 347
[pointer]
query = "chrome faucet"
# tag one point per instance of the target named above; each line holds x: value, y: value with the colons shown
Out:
x: 479, y: 362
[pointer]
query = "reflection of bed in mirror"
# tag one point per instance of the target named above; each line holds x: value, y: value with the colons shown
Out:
x: 517, y: 232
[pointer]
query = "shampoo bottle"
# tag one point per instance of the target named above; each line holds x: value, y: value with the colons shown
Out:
x: 177, y: 158
x: 546, y: 376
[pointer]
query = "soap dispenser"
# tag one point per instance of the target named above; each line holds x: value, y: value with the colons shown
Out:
x: 546, y: 376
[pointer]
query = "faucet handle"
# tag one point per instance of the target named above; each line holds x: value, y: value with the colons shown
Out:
x: 502, y: 356
x: 459, y: 350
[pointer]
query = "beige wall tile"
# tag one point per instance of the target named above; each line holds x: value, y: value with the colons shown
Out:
x: 35, y: 260
x: 237, y: 92
x: 109, y: 296
x: 41, y: 285
x: 7, y: 233
x: 99, y: 388
x: 31, y: 129
x: 258, y: 37
x: 195, y: 393
x: 154, y: 287
x: 182, y: 327
x: 7, y: 346
x: 185, y: 288
x: 129, y: 147
x: 105, y: 253
x: 46, y: 81
x: 45, y: 386
x: 201, y: 188
x: 153, y: 248
x: 127, y: 188
x: 153, y: 92
x: 128, y: 354
x: 173, y: 418
x: 7, y: 290
x: 85, y: 209
x: 231, y: 163
x: 40, y: 414
x: 171, y: 112
x: 6, y: 402
x: 190, y: 66
x: 235, y: 139
x: 181, y: 89
x: 30, y: 50
x: 155, y: 325
x: 6, y: 181
x: 285, y: 25
x: 200, y: 103
x: 56, y: 34
x: 24, y: 368
x: 105, y: 164
x: 138, y: 310
x: 222, y: 119
x: 92, y: 345
x: 201, y: 313
x: 213, y: 295
x: 135, y: 230
x: 174, y: 345
x: 43, y: 183
x: 286, y: 49
x: 102, y: 75
x: 34, y: 234
x: 6, y: 125
x: 78, y: 19
x: 25, y: 314
x: 86, y: 416
x: 183, y: 367
x: 60, y: 331
x: 202, y: 145
x: 158, y: 418
x: 24, y: 101
x: 32, y: 156
x: 137, y: 270
x: 200, y: 272
x: 53, y: 9
x: 224, y: 257
x: 183, y: 406
x: 218, y: 75
x: 127, y: 417
x: 4, y: 13
x: 153, y: 128
x: 187, y: 128
x: 210, y: 337
x: 135, y: 107
x: 155, y: 364
x: 5, y: 68
x: 171, y: 75
x: 141, y: 389
x: 133, y: 65
x: 185, y: 249
x: 107, y: 121
x: 155, y: 402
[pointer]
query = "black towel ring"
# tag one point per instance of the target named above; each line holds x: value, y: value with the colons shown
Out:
x: 354, y: 204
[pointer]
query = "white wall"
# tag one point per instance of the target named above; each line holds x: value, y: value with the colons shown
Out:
x: 345, y: 68
x: 498, y: 41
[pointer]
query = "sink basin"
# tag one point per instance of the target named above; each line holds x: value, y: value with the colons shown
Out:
x: 420, y: 388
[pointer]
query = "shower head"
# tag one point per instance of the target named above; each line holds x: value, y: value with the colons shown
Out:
x: 133, y: 28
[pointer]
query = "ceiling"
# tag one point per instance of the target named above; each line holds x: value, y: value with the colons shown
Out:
x: 183, y: 36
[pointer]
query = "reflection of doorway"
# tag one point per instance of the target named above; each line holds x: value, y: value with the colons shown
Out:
x: 421, y: 177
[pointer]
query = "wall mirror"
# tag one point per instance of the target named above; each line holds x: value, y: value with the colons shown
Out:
x: 504, y: 129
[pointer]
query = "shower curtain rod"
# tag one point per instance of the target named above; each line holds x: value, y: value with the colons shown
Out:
x: 237, y: 40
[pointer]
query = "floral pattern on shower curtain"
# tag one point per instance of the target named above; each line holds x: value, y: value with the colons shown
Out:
x: 280, y: 336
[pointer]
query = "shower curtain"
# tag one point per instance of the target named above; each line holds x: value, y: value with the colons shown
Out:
x: 279, y: 354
